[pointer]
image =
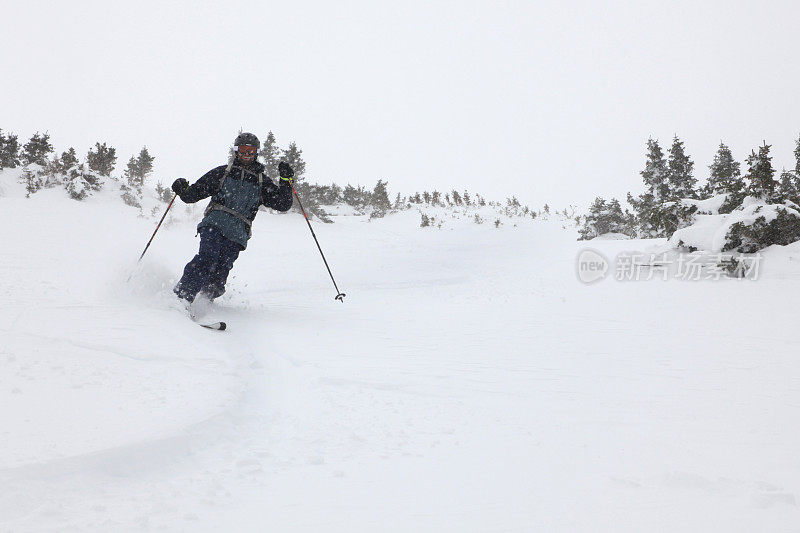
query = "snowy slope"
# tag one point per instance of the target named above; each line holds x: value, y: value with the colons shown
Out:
x: 468, y: 383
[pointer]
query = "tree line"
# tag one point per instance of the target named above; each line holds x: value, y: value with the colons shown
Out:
x: 670, y: 190
x: 43, y: 167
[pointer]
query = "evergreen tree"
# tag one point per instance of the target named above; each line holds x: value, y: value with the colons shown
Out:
x: 145, y: 165
x: 760, y: 174
x: 787, y: 187
x: 131, y: 194
x: 725, y: 177
x: 33, y: 179
x: 164, y: 194
x: 9, y: 151
x: 136, y: 173
x: 679, y: 172
x: 80, y: 182
x: 380, y: 200
x: 358, y: 198
x: 271, y: 154
x: 130, y: 172
x: 605, y: 217
x: 331, y: 194
x: 656, y: 172
x: 311, y: 202
x: 139, y: 169
x: 436, y: 198
x: 467, y: 199
x: 657, y: 214
x: 102, y: 159
x: 797, y: 158
x: 457, y: 198
x: 294, y: 156
x: 36, y: 150
x: 350, y: 196
x: 68, y: 160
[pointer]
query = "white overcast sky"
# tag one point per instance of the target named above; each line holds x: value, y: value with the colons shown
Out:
x: 552, y: 101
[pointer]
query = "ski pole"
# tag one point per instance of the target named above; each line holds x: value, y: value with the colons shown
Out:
x: 159, y: 225
x: 340, y: 295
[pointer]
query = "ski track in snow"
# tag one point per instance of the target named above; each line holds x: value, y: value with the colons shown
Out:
x: 468, y: 383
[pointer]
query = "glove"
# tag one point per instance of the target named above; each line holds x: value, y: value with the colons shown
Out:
x: 179, y: 186
x: 286, y: 172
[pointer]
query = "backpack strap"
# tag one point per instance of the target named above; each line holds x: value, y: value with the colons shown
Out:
x: 213, y: 206
x: 227, y: 171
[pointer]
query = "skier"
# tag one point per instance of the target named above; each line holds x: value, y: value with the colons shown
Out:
x: 236, y: 190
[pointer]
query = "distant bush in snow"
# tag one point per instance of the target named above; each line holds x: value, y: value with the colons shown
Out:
x: 606, y: 217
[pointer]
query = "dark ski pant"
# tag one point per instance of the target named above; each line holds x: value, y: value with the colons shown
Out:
x: 208, y: 271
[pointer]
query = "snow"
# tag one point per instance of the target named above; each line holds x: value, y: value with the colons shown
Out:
x: 469, y: 382
x: 709, y: 206
x: 611, y: 236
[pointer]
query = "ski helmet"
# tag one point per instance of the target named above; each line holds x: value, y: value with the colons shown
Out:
x: 246, y: 139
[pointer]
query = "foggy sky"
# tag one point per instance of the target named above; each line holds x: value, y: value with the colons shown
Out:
x: 551, y: 101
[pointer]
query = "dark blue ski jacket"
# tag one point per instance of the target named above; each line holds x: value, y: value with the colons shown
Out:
x: 235, y: 198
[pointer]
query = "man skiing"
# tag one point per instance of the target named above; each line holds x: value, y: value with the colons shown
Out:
x: 236, y: 190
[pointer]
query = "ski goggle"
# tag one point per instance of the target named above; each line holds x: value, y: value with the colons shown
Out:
x: 247, y: 150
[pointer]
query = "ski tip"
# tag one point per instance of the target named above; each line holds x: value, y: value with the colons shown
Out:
x: 219, y: 326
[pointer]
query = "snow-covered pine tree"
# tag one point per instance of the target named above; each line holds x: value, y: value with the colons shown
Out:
x: 102, y: 159
x: 350, y: 195
x: 379, y: 200
x: 797, y: 158
x: 605, y: 217
x: 36, y: 150
x: 760, y: 174
x: 130, y: 194
x: 68, y: 160
x: 9, y: 151
x: 679, y: 172
x: 81, y: 181
x: 57, y: 168
x: 136, y: 173
x: 787, y: 187
x: 311, y: 201
x: 658, y: 211
x: 33, y: 177
x: 271, y: 154
x: 39, y: 168
x: 334, y: 194
x: 294, y: 156
x: 725, y: 178
x: 656, y: 172
x: 144, y: 164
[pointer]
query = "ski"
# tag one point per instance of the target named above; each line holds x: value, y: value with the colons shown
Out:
x: 219, y: 326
